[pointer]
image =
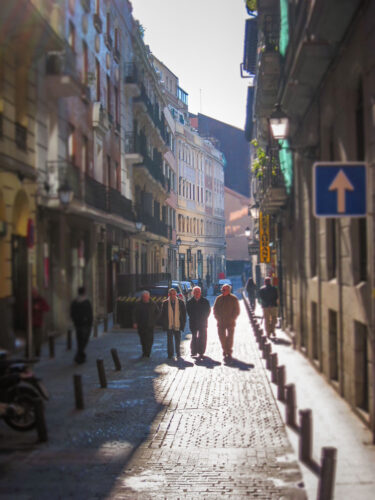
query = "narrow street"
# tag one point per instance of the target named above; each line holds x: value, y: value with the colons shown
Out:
x: 161, y: 429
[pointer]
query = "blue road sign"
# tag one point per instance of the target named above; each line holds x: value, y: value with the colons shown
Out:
x: 339, y: 189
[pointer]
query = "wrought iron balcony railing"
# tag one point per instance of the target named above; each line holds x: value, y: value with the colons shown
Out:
x: 95, y: 193
x: 119, y: 205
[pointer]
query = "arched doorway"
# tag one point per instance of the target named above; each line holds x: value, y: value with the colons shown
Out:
x: 20, y: 218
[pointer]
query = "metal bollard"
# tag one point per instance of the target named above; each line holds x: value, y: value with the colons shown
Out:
x: 268, y: 351
x: 116, y: 359
x: 273, y: 362
x: 327, y: 474
x: 69, y: 339
x: 101, y: 373
x: 281, y: 383
x: 290, y: 408
x: 78, y: 392
x: 51, y: 346
x: 41, y: 426
x: 305, y: 435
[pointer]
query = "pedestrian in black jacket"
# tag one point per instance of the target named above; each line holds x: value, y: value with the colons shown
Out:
x: 198, y: 309
x: 269, y: 298
x: 173, y: 318
x: 82, y: 317
x: 251, y: 289
x: 145, y: 314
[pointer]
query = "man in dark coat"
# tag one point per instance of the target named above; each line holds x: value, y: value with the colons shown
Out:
x: 198, y: 309
x: 251, y: 292
x: 173, y: 318
x: 145, y: 314
x: 226, y: 311
x: 82, y: 317
x: 268, y: 296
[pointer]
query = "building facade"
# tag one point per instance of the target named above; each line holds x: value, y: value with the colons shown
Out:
x: 321, y: 76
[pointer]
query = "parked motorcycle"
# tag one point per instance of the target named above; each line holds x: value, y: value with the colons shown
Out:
x: 19, y: 391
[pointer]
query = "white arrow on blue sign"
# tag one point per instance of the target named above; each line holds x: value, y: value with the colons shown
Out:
x: 339, y: 189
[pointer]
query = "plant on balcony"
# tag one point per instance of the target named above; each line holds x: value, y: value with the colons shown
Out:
x: 251, y: 6
x: 262, y: 161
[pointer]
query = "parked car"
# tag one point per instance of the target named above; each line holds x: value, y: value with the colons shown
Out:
x: 187, y: 289
x: 220, y: 283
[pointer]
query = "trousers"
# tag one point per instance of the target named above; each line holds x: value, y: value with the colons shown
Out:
x: 176, y: 335
x: 83, y: 335
x: 198, y: 340
x: 270, y: 318
x: 226, y: 335
x: 146, y: 336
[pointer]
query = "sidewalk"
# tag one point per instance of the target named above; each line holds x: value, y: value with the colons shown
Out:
x: 334, y: 424
x: 161, y: 429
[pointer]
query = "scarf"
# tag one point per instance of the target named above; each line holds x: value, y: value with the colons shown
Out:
x: 174, y: 315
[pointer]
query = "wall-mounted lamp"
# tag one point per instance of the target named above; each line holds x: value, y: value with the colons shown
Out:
x: 196, y: 242
x: 178, y: 242
x: 65, y: 194
x: 138, y: 226
x: 254, y: 210
x: 247, y: 232
x: 279, y: 123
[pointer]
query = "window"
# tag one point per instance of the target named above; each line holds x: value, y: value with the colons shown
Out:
x: 108, y: 95
x: 97, y: 6
x: 85, y: 154
x: 97, y: 76
x: 333, y: 341
x: 361, y: 366
x: 85, y: 65
x: 71, y: 144
x: 72, y: 36
x: 117, y: 106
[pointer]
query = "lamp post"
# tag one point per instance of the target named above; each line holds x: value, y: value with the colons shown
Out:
x: 65, y: 194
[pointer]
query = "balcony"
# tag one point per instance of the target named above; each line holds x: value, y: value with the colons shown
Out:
x: 154, y: 168
x: 23, y: 21
x: 63, y: 173
x: 95, y: 194
x: 21, y: 136
x: 152, y: 111
x: 119, y: 205
x: 86, y: 5
x: 133, y: 148
x: 152, y: 224
x: 131, y: 80
x: 62, y: 79
x: 98, y: 23
x: 108, y: 41
x: 273, y: 190
x: 99, y: 118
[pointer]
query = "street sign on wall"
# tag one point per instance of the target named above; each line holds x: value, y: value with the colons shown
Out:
x: 264, y: 238
x: 339, y: 189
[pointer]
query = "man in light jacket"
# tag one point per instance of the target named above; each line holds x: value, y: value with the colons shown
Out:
x: 173, y: 318
x: 198, y: 309
x: 226, y: 311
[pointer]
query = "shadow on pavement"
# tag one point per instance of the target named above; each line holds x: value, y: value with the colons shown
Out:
x: 207, y: 362
x: 280, y: 341
x: 237, y: 363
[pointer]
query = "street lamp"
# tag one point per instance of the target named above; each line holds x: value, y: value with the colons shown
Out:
x: 196, y: 242
x: 254, y: 210
x: 247, y: 232
x: 279, y: 123
x: 65, y: 194
x: 178, y: 242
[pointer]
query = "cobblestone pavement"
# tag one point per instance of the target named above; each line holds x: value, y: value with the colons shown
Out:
x: 162, y: 429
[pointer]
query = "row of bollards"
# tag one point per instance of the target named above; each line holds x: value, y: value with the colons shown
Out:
x: 286, y: 393
x: 77, y: 379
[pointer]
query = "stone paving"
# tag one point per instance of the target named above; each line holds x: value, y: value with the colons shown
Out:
x: 162, y: 429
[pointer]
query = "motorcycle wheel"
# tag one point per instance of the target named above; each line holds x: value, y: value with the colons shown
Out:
x: 24, y: 397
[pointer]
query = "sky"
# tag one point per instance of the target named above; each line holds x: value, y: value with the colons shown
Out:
x: 201, y: 42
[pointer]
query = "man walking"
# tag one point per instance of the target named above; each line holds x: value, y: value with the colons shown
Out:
x: 198, y: 309
x: 226, y: 310
x: 82, y: 317
x: 251, y: 292
x: 173, y: 318
x: 268, y: 296
x: 145, y: 314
